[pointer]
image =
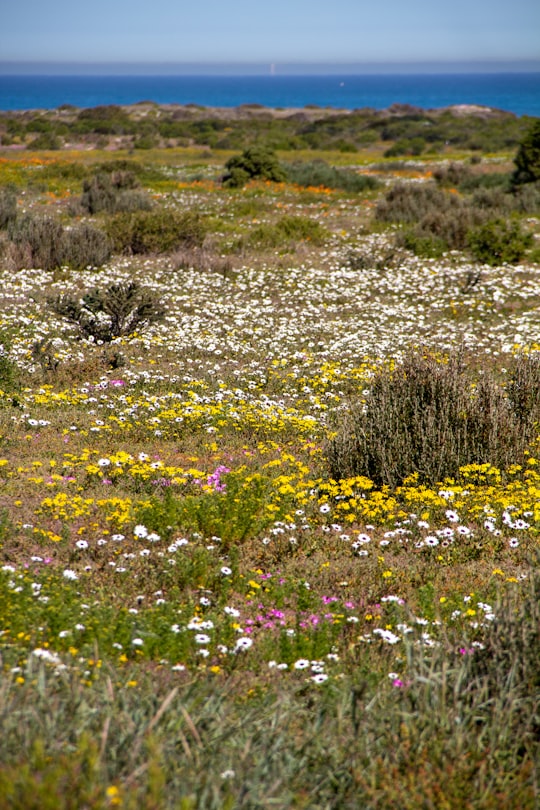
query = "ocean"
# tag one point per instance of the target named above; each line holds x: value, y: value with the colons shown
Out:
x: 514, y: 92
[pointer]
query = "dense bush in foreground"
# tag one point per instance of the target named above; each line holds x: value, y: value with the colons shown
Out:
x: 459, y: 728
x: 429, y: 418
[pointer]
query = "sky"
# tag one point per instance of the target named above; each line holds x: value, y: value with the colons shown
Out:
x: 243, y: 34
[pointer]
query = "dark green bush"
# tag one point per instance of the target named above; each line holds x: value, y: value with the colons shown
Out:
x: 8, y: 206
x: 155, y: 231
x: 319, y: 173
x: 105, y: 314
x: 257, y: 162
x: 527, y: 159
x: 499, y: 242
x: 84, y: 246
x: 431, y: 418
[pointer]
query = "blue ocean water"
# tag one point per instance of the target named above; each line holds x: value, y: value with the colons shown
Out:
x: 515, y: 92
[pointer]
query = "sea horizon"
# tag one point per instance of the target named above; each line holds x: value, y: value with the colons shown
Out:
x: 514, y: 92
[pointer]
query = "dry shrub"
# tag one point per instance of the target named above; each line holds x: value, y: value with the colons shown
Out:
x: 431, y: 418
x: 203, y: 259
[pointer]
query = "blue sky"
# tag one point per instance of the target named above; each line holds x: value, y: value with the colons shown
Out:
x: 281, y: 32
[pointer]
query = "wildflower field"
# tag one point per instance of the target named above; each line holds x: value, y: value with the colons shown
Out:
x: 239, y: 565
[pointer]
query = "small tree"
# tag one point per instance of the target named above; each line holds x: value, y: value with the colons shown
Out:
x: 527, y: 160
x: 254, y: 162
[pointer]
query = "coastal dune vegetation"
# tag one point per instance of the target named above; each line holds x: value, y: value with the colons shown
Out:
x: 269, y: 459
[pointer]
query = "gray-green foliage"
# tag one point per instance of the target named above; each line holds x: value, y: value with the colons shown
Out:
x: 104, y: 314
x: 83, y: 246
x: 431, y: 418
x: 8, y: 206
x: 434, y: 221
x: 41, y: 241
x: 112, y: 192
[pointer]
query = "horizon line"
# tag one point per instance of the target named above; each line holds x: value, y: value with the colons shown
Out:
x: 270, y: 68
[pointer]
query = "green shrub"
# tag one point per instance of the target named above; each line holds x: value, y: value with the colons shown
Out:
x: 84, y: 246
x: 499, y: 242
x: 527, y: 160
x: 155, y: 231
x: 429, y: 418
x: 425, y: 246
x: 284, y: 232
x: 257, y: 162
x: 492, y: 199
x: 105, y: 314
x: 46, y: 140
x: 319, y: 173
x: 411, y: 146
x: 8, y: 206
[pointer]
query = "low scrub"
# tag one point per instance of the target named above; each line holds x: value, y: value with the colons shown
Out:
x: 318, y: 173
x: 155, y: 231
x: 41, y: 241
x: 406, y: 203
x: 499, y: 242
x: 8, y: 207
x: 203, y: 259
x: 430, y: 418
x: 434, y: 221
x: 85, y: 246
x: 105, y: 314
x: 36, y: 241
x: 113, y: 192
x: 284, y: 233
